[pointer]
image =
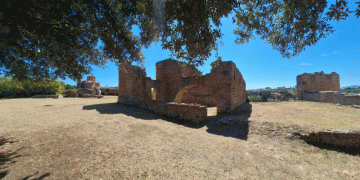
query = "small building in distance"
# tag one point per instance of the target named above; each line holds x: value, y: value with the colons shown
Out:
x: 90, y: 83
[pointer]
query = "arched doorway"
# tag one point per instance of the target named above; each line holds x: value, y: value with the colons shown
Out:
x: 196, y: 94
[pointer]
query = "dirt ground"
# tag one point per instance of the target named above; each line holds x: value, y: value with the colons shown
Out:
x: 90, y: 138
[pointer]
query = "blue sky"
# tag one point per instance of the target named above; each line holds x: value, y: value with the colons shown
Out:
x: 261, y: 66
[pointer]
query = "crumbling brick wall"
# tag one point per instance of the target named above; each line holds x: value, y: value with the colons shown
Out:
x: 320, y: 87
x: 132, y: 83
x: 340, y: 139
x: 335, y: 97
x: 224, y: 87
x: 316, y: 82
x: 109, y: 91
x: 196, y: 94
x: 170, y: 75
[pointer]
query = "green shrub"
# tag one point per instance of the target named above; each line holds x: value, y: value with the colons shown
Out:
x: 67, y: 90
x: 255, y: 98
x: 12, y: 88
x: 272, y: 100
x: 351, y: 90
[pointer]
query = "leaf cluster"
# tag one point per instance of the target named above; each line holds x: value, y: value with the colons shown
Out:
x: 59, y: 38
x: 12, y: 88
x: 288, y: 25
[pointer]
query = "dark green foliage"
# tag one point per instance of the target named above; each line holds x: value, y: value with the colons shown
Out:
x: 12, y: 88
x: 288, y: 25
x: 70, y: 87
x: 255, y: 98
x: 58, y: 38
x: 268, y: 95
x: 351, y: 90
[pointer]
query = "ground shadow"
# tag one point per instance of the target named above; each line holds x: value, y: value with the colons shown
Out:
x: 137, y: 112
x: 341, y: 149
x: 39, y: 178
x: 234, y: 124
x: 6, y: 157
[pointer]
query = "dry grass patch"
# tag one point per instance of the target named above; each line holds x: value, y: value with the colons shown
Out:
x: 306, y: 113
x: 77, y: 138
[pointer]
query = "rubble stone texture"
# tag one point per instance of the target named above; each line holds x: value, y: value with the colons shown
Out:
x: 316, y: 82
x: 341, y: 139
x: 133, y: 83
x: 109, y: 91
x: 320, y: 87
x: 224, y: 87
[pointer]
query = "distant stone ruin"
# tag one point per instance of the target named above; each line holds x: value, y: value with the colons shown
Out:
x: 109, y: 90
x: 316, y: 82
x: 90, y: 83
x: 320, y: 87
x: 88, y: 87
x: 180, y: 90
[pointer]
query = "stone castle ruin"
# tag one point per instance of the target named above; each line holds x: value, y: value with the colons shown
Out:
x: 320, y: 87
x: 182, y: 91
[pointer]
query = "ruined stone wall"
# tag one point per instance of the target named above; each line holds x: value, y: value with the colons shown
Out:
x: 332, y: 97
x: 238, y: 89
x: 188, y: 112
x: 219, y: 82
x: 317, y: 82
x: 107, y: 91
x: 351, y: 99
x: 170, y: 73
x: 223, y: 87
x: 320, y: 87
x: 196, y: 94
x: 340, y: 139
x: 311, y: 96
x: 132, y: 83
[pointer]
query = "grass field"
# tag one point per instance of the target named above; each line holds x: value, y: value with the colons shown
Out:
x: 89, y: 138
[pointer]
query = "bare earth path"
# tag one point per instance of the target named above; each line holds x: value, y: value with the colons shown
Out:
x: 89, y: 138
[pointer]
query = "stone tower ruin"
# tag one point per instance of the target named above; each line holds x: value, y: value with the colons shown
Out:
x: 316, y: 82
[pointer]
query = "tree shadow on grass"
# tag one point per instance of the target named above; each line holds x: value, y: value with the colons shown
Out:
x: 39, y: 178
x: 137, y: 112
x: 6, y: 157
x: 237, y: 126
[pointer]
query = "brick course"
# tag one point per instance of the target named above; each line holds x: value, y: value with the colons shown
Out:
x: 224, y: 88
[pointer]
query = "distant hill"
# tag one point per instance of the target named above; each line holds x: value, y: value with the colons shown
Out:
x: 351, y: 87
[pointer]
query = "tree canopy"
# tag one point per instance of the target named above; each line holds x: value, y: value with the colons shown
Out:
x: 58, y: 38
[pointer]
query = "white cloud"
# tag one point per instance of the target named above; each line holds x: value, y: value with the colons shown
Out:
x: 306, y: 64
x: 328, y: 54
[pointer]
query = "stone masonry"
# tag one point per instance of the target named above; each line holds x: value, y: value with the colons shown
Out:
x: 316, y: 82
x: 320, y: 87
x: 179, y: 83
x: 223, y: 87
